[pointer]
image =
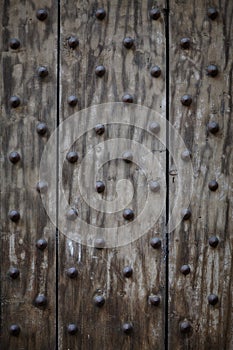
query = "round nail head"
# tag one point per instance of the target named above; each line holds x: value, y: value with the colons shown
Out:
x: 100, y: 186
x: 72, y: 272
x: 41, y: 244
x: 41, y: 14
x: 212, y: 70
x: 155, y: 71
x: 127, y: 328
x: 14, y: 157
x: 99, y: 300
x: 72, y: 329
x: 154, y: 127
x: 14, y: 330
x: 185, y: 327
x: 42, y: 72
x: 128, y: 42
x: 42, y: 187
x: 186, y: 155
x: 72, y: 157
x: 213, y: 127
x: 185, y: 269
x: 213, y: 299
x: 41, y: 129
x: 213, y: 241
x: 72, y: 214
x: 127, y: 271
x: 155, y: 13
x: 72, y: 100
x: 154, y: 300
x: 127, y: 98
x: 14, y: 101
x: 73, y: 42
x: 185, y: 43
x: 212, y: 13
x: 14, y: 215
x: 100, y: 14
x: 100, y: 71
x: 99, y: 243
x: 13, y: 273
x: 155, y: 242
x: 99, y: 129
x: 154, y: 186
x: 128, y: 214
x: 186, y: 214
x: 127, y: 156
x: 186, y: 100
x: 41, y: 300
x: 213, y: 185
x: 14, y: 43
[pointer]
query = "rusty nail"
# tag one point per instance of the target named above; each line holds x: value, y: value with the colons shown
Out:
x: 127, y: 271
x: 185, y: 269
x: 42, y: 187
x: 128, y: 214
x: 186, y: 214
x: 154, y: 300
x: 128, y: 42
x: 212, y: 13
x: 154, y: 13
x: 213, y: 299
x: 186, y: 155
x: 41, y: 244
x: 41, y: 129
x: 100, y: 14
x: 72, y: 157
x: 99, y: 129
x: 14, y: 215
x: 185, y: 327
x: 213, y: 127
x: 155, y: 242
x: 213, y: 241
x: 155, y: 71
x: 100, y: 71
x: 99, y: 300
x: 213, y: 185
x: 186, y: 100
x: 127, y: 156
x: 100, y: 186
x: 14, y: 101
x: 72, y: 329
x: 14, y: 157
x: 154, y: 186
x: 40, y: 300
x: 72, y: 214
x: 127, y: 328
x: 41, y: 14
x: 42, y: 72
x: 99, y: 243
x: 72, y: 272
x: 14, y: 330
x: 73, y: 42
x: 212, y: 70
x: 185, y: 43
x: 13, y: 273
x: 72, y: 100
x: 14, y: 43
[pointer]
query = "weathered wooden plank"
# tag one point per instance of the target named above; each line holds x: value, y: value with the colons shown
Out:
x: 209, y: 326
x: 100, y: 271
x: 20, y: 59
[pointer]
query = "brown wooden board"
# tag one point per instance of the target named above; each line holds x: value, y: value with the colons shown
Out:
x: 209, y: 326
x: 19, y: 77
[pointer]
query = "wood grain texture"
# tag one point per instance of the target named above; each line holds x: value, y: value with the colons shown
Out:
x: 101, y: 271
x: 211, y: 268
x: 18, y: 181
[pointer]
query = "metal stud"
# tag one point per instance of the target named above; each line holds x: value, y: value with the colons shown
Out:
x: 213, y: 299
x: 14, y: 43
x: 40, y: 301
x: 212, y: 13
x: 41, y: 244
x: 213, y: 127
x: 99, y: 300
x: 185, y: 269
x: 72, y: 329
x: 100, y: 71
x: 128, y: 42
x: 186, y: 100
x: 99, y: 129
x: 154, y: 300
x: 13, y: 273
x: 154, y: 186
x: 42, y: 187
x: 155, y: 71
x: 72, y: 214
x: 154, y: 127
x: 155, y: 242
x: 14, y: 330
x: 185, y: 43
x: 72, y: 157
x: 41, y: 14
x: 41, y: 129
x: 72, y: 100
x: 212, y: 70
x: 14, y: 157
x: 128, y: 214
x: 99, y: 243
x: 127, y: 98
x: 42, y: 72
x: 186, y: 214
x: 100, y: 186
x: 14, y: 101
x: 72, y: 272
x: 127, y: 156
x: 213, y: 241
x: 185, y: 327
x: 186, y: 155
x: 73, y: 42
x: 127, y: 271
x: 155, y: 13
x: 100, y: 14
x: 14, y: 215
x: 213, y: 185
x: 127, y: 328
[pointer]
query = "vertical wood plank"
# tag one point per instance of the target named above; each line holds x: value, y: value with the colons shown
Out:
x: 100, y: 271
x: 194, y: 323
x: 19, y: 127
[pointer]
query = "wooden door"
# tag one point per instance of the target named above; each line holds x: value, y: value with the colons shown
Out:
x: 116, y: 162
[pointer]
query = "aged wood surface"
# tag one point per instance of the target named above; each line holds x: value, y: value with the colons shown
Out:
x: 37, y: 95
x: 100, y: 272
x: 212, y: 211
